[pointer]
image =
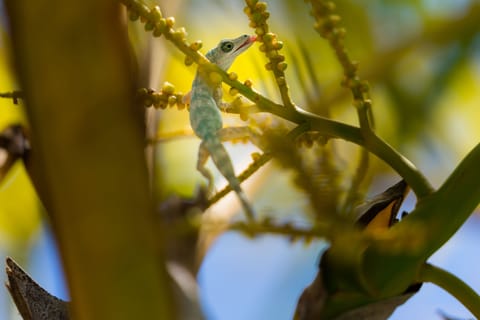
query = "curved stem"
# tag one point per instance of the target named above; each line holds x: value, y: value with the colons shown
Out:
x: 453, y: 285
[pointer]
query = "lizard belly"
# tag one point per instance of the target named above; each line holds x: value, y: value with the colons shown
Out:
x: 205, y: 118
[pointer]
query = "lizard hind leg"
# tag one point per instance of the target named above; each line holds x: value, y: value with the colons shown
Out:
x: 203, y: 155
x: 224, y: 165
x: 245, y: 204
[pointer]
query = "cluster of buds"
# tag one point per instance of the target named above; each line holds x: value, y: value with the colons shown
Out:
x: 163, y: 99
x: 153, y: 20
x: 258, y: 15
x: 270, y: 46
x: 327, y: 24
x: 195, y: 46
x: 326, y: 20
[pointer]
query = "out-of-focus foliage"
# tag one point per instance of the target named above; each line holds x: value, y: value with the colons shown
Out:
x: 19, y: 206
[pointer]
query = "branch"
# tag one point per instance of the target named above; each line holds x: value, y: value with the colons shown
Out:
x: 453, y: 285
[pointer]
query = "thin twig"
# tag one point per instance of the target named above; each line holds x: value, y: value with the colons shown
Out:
x: 15, y: 95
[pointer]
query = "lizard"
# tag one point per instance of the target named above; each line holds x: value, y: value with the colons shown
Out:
x: 206, y: 120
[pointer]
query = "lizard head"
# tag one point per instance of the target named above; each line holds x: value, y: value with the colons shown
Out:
x: 227, y: 50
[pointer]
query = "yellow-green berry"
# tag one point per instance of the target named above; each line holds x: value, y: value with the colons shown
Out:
x: 255, y: 156
x: 160, y: 27
x: 259, y: 31
x: 330, y: 6
x: 215, y: 77
x: 172, y: 100
x: 133, y: 15
x: 244, y: 116
x: 170, y: 22
x: 168, y: 88
x: 158, y: 30
x: 197, y: 45
x: 142, y: 92
x: 281, y: 66
x: 268, y: 37
x: 180, y: 34
x: 272, y: 54
x: 149, y: 25
x: 155, y: 13
x: 156, y: 98
x: 188, y: 61
x: 278, y: 45
x: 232, y: 76
x: 261, y: 6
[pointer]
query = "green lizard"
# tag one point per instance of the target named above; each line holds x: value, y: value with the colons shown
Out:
x: 206, y: 120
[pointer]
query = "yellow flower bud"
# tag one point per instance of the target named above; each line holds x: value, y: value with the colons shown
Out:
x: 170, y: 21
x: 168, y: 88
x: 215, y: 77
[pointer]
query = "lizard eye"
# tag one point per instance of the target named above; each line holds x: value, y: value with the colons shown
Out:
x: 227, y: 46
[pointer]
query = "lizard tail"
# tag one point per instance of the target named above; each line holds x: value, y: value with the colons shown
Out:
x: 222, y: 161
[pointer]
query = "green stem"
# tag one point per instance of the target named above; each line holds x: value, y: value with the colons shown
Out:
x: 447, y: 209
x: 453, y: 285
